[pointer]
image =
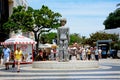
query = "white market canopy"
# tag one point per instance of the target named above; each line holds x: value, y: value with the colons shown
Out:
x: 19, y: 39
x: 44, y: 46
x: 47, y: 45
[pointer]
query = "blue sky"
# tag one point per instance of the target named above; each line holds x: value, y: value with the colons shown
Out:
x: 83, y: 16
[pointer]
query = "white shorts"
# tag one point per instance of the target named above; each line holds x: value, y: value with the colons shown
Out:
x: 5, y: 60
x: 18, y: 60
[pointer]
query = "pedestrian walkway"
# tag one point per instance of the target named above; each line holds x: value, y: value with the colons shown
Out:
x: 110, y: 60
x: 61, y: 75
x: 64, y: 75
x: 104, y: 72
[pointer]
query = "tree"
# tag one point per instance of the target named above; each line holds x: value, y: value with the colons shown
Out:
x: 101, y: 36
x: 48, y: 37
x: 118, y: 5
x: 45, y: 20
x: 19, y: 20
x: 37, y: 21
x: 75, y: 38
x: 113, y: 20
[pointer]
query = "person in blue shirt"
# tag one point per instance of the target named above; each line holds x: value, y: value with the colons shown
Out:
x: 6, y: 56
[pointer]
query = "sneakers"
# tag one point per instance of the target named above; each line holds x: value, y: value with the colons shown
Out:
x: 13, y: 66
x: 18, y: 71
x: 7, y: 68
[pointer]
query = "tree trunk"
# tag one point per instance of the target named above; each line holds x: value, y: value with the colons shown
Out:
x: 37, y: 40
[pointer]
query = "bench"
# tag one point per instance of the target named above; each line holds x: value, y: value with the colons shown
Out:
x: 11, y: 63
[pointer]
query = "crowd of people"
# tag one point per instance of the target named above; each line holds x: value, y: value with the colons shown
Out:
x: 74, y: 51
x: 43, y: 54
x: 84, y: 53
x: 78, y: 52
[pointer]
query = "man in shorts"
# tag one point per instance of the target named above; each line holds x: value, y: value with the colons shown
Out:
x: 6, y: 56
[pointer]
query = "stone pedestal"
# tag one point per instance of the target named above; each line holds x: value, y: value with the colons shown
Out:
x: 118, y: 53
x: 73, y: 64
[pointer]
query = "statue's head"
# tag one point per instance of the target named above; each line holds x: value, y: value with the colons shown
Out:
x: 63, y: 21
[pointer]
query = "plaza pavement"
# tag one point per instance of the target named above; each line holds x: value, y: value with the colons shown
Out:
x: 109, y: 70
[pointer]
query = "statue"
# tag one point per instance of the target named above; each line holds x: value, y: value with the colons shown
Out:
x: 63, y: 39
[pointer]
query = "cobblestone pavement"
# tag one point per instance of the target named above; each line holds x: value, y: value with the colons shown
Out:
x: 109, y: 70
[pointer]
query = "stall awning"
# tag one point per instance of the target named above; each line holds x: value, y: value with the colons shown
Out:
x: 19, y: 39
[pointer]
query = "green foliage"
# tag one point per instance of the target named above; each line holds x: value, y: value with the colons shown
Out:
x: 46, y: 18
x: 116, y: 45
x: 36, y: 20
x: 19, y: 20
x: 101, y: 36
x: 75, y: 38
x: 10, y: 26
x: 48, y: 37
x: 113, y: 20
x: 32, y: 20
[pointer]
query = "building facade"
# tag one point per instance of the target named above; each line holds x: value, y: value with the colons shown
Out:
x: 15, y: 3
x: 4, y: 14
x: 6, y: 9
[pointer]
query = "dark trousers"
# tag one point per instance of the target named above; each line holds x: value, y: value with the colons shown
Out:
x: 70, y: 57
x: 13, y: 65
x: 89, y: 56
x: 96, y: 57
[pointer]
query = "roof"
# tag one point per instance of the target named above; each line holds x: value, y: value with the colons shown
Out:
x: 19, y: 39
x: 112, y: 31
x: 108, y: 41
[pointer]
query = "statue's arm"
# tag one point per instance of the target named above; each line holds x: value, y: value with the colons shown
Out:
x: 68, y: 35
x: 58, y: 36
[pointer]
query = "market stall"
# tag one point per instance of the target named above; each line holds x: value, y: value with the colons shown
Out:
x: 47, y: 47
x: 25, y: 44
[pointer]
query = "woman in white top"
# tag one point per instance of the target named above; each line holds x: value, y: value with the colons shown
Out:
x: 83, y: 54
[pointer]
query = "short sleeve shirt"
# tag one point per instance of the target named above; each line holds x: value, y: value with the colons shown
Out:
x: 6, y: 52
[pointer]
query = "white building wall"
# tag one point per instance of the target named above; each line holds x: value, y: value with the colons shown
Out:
x: 15, y: 3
